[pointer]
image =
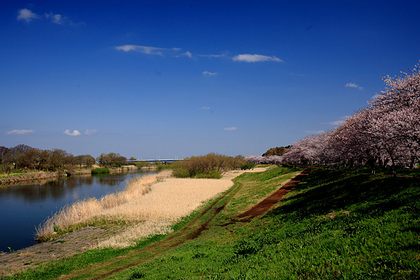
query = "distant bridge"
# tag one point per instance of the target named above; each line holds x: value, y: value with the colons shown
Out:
x: 164, y: 161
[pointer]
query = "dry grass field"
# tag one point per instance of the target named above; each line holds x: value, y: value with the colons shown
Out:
x: 165, y: 204
x: 85, y: 210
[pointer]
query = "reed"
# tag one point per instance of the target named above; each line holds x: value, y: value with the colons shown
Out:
x: 167, y: 203
x: 81, y: 212
x: 142, y: 215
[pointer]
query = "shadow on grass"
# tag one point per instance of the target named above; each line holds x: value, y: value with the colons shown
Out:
x: 325, y: 191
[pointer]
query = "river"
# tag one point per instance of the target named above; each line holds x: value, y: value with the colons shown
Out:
x: 24, y: 207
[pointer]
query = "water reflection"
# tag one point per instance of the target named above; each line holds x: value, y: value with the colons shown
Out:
x: 23, y: 208
x: 60, y: 188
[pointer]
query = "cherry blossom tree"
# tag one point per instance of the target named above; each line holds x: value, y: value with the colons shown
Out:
x: 264, y: 159
x: 387, y: 133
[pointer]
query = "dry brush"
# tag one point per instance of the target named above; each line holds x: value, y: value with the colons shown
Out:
x: 82, y: 211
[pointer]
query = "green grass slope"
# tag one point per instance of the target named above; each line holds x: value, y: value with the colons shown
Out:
x: 333, y: 225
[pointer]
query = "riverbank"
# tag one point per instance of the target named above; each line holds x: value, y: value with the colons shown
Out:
x: 40, y: 177
x: 29, y: 178
x: 166, y: 190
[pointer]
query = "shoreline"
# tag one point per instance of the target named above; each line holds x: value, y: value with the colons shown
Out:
x: 30, y: 178
x: 41, y: 177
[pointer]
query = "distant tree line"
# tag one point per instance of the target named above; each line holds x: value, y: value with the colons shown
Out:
x: 26, y: 157
x: 274, y: 159
x: 111, y: 160
x: 271, y: 156
x: 277, y: 151
x: 207, y: 166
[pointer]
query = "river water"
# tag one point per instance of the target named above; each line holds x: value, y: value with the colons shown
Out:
x: 24, y: 207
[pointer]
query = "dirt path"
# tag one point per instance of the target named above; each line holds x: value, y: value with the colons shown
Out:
x: 265, y: 205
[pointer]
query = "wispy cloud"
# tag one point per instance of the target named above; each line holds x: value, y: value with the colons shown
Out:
x: 61, y: 20
x: 56, y: 18
x: 179, y: 52
x: 149, y: 50
x: 141, y: 49
x: 187, y: 54
x: 205, y: 108
x: 20, y: 131
x: 255, y: 58
x: 72, y: 133
x: 209, y: 74
x: 337, y: 123
x: 314, y: 132
x: 26, y: 15
x: 213, y: 55
x: 376, y: 96
x: 232, y: 128
x: 90, y: 131
x: 353, y: 85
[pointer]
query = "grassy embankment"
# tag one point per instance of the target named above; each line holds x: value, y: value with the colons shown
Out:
x: 334, y: 225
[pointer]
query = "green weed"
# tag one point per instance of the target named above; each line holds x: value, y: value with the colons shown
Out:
x: 100, y: 171
x: 210, y: 174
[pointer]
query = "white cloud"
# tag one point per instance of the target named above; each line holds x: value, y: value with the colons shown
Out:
x: 209, y: 74
x: 90, y: 131
x: 255, y: 58
x: 315, y: 132
x: 127, y: 48
x: 154, y: 50
x: 26, y: 15
x: 57, y: 18
x: 376, y: 96
x: 187, y: 54
x: 179, y: 52
x: 353, y: 85
x: 205, y: 108
x: 20, y: 131
x: 213, y: 55
x: 337, y: 123
x: 72, y: 133
x: 230, y: 128
x: 141, y: 49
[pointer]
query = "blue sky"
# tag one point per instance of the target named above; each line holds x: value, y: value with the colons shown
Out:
x: 172, y: 79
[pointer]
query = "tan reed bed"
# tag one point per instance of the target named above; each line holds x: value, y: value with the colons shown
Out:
x: 82, y: 211
x: 155, y: 212
x: 146, y: 207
